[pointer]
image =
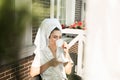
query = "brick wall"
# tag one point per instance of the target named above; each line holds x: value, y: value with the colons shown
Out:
x: 34, y: 32
x: 73, y: 54
x: 74, y: 48
x: 18, y: 70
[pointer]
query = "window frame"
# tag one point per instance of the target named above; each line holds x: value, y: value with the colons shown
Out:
x: 69, y: 11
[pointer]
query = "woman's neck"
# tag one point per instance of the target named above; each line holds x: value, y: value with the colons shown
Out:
x: 53, y: 49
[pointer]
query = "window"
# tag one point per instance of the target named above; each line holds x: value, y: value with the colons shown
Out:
x: 62, y: 16
x: 59, y: 10
x: 64, y: 10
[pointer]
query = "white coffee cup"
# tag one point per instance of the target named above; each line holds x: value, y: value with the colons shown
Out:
x: 59, y: 43
x: 62, y: 58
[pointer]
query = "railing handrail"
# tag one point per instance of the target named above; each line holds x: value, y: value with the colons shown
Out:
x: 77, y: 38
x: 72, y: 31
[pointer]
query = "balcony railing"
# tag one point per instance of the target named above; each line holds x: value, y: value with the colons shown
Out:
x: 80, y: 40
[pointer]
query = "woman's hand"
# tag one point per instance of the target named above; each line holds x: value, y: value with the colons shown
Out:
x: 54, y: 62
x: 69, y: 64
x: 65, y: 47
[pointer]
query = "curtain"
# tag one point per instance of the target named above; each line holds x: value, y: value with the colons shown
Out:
x: 102, y: 54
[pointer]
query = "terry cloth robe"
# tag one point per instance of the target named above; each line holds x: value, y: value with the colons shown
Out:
x: 43, y: 53
x: 52, y: 73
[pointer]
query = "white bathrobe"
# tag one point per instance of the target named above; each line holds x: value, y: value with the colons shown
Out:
x: 52, y: 73
x: 43, y: 53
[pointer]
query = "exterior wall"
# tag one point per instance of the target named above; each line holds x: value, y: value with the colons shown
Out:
x: 74, y: 48
x: 18, y: 70
x: 73, y: 51
x: 78, y: 10
x: 34, y: 32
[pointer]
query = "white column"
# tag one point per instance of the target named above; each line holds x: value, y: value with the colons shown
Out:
x: 80, y: 57
x: 58, y: 8
x: 102, y: 55
x: 51, y: 8
x: 83, y: 11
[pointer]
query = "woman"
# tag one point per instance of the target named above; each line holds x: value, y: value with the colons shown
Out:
x: 46, y: 61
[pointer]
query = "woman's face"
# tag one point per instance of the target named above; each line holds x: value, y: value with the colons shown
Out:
x: 55, y: 35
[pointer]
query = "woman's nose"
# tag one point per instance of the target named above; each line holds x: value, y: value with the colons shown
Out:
x: 58, y: 38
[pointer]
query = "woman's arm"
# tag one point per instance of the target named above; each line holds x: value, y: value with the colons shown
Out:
x: 53, y: 62
x: 38, y: 70
x: 35, y: 67
x: 34, y: 71
x: 68, y: 65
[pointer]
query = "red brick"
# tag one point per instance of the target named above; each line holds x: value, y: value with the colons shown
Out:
x: 2, y: 74
x: 24, y: 69
x: 5, y: 78
x: 8, y: 71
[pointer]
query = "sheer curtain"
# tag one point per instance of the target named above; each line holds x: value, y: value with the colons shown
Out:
x: 102, y: 55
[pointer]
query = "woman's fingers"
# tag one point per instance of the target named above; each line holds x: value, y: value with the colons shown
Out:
x: 65, y: 47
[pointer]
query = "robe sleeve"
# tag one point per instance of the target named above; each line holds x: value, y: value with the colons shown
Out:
x: 36, y: 61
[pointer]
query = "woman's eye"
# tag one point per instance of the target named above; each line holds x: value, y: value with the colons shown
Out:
x: 55, y: 37
x: 60, y: 37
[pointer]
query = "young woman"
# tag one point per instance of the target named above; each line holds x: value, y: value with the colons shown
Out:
x: 51, y: 62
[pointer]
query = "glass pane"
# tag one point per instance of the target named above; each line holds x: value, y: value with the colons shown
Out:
x: 62, y: 16
x: 55, y: 8
x: 63, y: 2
